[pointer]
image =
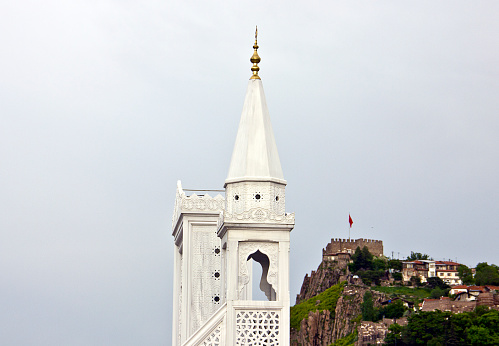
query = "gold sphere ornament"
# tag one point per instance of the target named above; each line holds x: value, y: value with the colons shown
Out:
x: 255, y: 58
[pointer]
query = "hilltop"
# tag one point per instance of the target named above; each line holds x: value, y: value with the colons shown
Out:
x: 358, y: 296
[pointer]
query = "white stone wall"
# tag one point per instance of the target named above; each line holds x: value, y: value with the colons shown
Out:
x: 206, y: 264
x: 245, y: 196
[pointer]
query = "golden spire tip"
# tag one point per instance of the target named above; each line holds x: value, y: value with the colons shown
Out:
x: 255, y: 58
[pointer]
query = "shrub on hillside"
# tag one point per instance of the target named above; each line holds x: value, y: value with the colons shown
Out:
x: 323, y: 301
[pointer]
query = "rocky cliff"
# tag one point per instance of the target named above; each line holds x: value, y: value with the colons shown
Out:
x: 315, y: 330
x: 322, y: 328
x: 328, y: 273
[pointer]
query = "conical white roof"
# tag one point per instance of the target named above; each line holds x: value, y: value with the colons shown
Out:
x: 255, y: 156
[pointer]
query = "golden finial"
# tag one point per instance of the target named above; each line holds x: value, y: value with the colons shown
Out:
x: 255, y: 59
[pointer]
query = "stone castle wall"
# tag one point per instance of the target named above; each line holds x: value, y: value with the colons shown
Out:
x: 446, y: 304
x: 350, y: 245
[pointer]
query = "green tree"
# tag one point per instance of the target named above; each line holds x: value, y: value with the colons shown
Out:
x: 434, y: 282
x: 481, y: 336
x: 379, y: 264
x: 368, y: 311
x: 393, y: 310
x: 361, y: 259
x: 427, y: 328
x: 480, y: 266
x: 490, y: 320
x: 368, y: 268
x: 371, y: 276
x: 481, y: 310
x: 445, y: 328
x: 418, y: 256
x: 438, y: 292
x: 394, y: 336
x: 397, y: 276
x: 460, y: 325
x: 395, y: 264
x: 486, y: 274
x: 415, y: 281
x: 465, y: 274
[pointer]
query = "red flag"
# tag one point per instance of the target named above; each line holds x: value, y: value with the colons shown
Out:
x: 350, y: 220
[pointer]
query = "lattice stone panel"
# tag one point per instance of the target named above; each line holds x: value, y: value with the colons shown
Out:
x: 206, y: 273
x: 257, y: 327
x: 245, y: 196
x: 215, y: 337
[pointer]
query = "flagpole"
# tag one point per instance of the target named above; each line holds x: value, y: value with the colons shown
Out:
x: 350, y: 221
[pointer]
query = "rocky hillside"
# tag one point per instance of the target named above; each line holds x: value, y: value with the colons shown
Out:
x: 328, y: 307
x: 333, y: 314
x: 328, y: 273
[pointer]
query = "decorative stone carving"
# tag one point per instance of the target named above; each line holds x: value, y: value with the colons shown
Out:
x: 195, y: 203
x: 260, y: 215
x: 257, y: 327
x: 278, y: 205
x: 215, y: 337
x: 206, y: 286
x: 178, y: 202
x: 247, y: 195
x: 203, y: 203
x: 269, y: 249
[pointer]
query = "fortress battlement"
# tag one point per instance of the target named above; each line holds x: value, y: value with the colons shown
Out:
x: 355, y: 240
x: 338, y: 245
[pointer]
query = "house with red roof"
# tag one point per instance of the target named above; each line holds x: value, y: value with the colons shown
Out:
x: 458, y: 289
x: 414, y: 268
x: 447, y: 271
x: 424, y: 269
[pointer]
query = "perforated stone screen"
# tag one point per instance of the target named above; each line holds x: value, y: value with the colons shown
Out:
x: 257, y: 327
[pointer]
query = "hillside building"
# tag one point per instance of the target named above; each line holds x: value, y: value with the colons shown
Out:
x: 424, y: 269
x: 447, y: 271
x: 337, y: 248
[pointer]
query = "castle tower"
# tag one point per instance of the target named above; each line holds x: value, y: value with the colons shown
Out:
x: 217, y: 240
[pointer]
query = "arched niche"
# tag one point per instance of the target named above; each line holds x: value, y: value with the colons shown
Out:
x: 264, y: 262
x: 266, y: 254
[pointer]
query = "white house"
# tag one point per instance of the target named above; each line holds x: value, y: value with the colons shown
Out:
x: 447, y: 271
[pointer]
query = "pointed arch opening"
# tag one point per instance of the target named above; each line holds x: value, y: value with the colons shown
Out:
x: 259, y: 276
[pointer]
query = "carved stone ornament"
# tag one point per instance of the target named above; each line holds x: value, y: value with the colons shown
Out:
x: 203, y: 203
x: 215, y: 338
x: 260, y: 215
x: 244, y: 196
x: 269, y: 249
x: 205, y: 286
x: 258, y: 327
x: 195, y: 203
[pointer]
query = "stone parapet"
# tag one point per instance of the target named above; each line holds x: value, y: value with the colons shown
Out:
x: 195, y: 203
x: 338, y: 245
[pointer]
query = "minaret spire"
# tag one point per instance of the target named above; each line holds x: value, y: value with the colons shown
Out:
x: 255, y: 58
x: 255, y: 156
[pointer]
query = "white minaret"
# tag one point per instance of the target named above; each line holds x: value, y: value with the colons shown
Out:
x: 216, y: 240
x: 197, y: 284
x: 256, y: 227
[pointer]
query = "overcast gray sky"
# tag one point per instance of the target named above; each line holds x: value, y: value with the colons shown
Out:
x: 387, y: 110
